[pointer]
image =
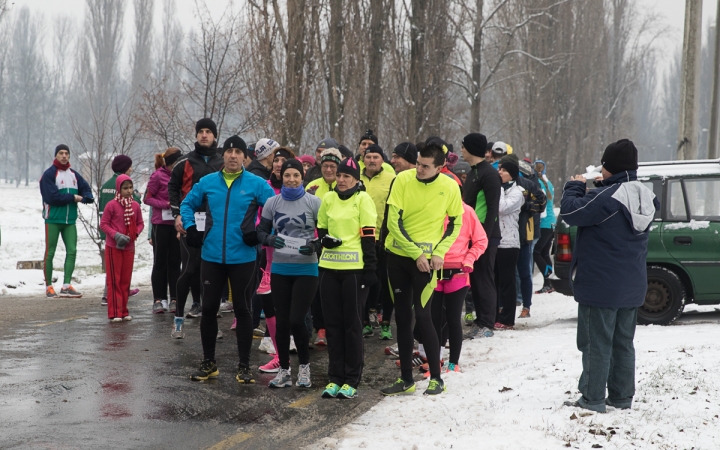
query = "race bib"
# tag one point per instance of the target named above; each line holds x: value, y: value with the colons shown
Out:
x: 200, y: 221
x: 292, y: 245
x: 167, y: 214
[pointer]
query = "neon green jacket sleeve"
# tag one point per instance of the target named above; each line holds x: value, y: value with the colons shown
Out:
x: 398, y: 233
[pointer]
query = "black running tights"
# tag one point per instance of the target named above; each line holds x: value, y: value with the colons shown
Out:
x: 447, y: 318
x: 292, y: 296
x: 166, y: 261
x: 189, y: 278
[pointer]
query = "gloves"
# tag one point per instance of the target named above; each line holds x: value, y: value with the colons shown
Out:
x: 250, y: 239
x: 369, y: 278
x: 275, y: 241
x: 88, y: 200
x: 467, y: 269
x: 331, y: 242
x: 121, y: 240
x: 310, y: 248
x: 194, y: 238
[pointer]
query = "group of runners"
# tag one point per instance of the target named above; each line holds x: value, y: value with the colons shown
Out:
x: 335, y: 243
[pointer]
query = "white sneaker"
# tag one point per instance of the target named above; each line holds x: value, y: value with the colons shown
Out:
x: 282, y: 379
x: 303, y: 379
x: 127, y: 318
x: 293, y: 349
x: 164, y: 305
x: 266, y: 345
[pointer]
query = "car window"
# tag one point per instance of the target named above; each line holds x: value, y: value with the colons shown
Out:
x: 656, y: 187
x: 676, y: 209
x: 704, y: 198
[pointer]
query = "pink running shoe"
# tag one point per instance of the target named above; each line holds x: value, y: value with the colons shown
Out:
x: 264, y: 287
x: 134, y: 292
x: 234, y: 325
x: 272, y: 367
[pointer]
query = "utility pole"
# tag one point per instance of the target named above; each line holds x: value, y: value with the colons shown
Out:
x: 687, y: 145
x: 713, y: 136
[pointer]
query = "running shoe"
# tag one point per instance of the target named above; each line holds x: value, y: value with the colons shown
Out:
x: 452, y: 368
x: 487, y: 332
x: 469, y: 319
x: 347, y: 391
x: 367, y: 331
x: 226, y: 307
x: 50, y: 293
x: 208, y: 369
x: 331, y: 391
x: 385, y: 332
x: 502, y: 326
x: 399, y: 387
x: 392, y: 350
x: 417, y: 361
x: 266, y: 345
x: 164, y: 305
x: 262, y: 314
x: 177, y: 331
x: 258, y: 332
x: 264, y: 287
x: 234, y: 324
x: 524, y: 314
x: 127, y: 318
x: 282, y: 379
x: 321, y: 339
x: 116, y: 320
x: 103, y: 302
x: 172, y: 307
x: 436, y: 387
x: 380, y: 318
x: 158, y: 308
x: 219, y: 335
x: 303, y: 379
x: 425, y: 367
x: 271, y: 367
x: 293, y: 348
x: 194, y: 311
x: 373, y: 316
x: 473, y: 332
x: 244, y: 375
x: 545, y: 290
x: 69, y: 292
x: 133, y: 292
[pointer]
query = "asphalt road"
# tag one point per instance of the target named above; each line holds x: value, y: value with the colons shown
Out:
x: 70, y: 379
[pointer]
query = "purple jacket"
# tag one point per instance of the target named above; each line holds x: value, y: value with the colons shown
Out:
x: 157, y: 195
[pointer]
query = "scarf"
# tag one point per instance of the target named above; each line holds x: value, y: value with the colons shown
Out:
x: 292, y: 194
x: 344, y: 195
x: 60, y: 166
x: 275, y: 182
x: 205, y: 151
x: 128, y: 215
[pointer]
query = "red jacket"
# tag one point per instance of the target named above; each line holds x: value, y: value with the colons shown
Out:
x: 471, y: 231
x: 113, y: 221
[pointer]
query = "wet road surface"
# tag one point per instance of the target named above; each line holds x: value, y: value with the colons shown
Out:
x: 73, y: 380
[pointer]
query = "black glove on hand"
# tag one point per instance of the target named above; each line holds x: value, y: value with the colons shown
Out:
x: 309, y: 249
x: 121, y: 240
x: 194, y: 238
x: 331, y: 242
x: 88, y: 200
x: 275, y: 242
x: 369, y: 278
x: 250, y: 239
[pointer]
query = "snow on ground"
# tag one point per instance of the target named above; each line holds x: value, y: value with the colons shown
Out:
x: 23, y: 239
x: 512, y: 388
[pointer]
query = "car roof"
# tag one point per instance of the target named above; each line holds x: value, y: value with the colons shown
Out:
x: 679, y: 168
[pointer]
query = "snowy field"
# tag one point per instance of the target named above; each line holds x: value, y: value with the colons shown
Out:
x: 511, y: 390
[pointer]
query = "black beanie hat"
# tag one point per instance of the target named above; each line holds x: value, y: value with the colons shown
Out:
x: 61, y: 147
x: 121, y: 164
x: 489, y: 146
x: 283, y: 152
x: 369, y: 135
x: 475, y: 144
x: 344, y: 151
x: 350, y: 167
x: 235, y: 142
x: 206, y: 123
x: 292, y: 164
x: 374, y: 148
x: 407, y: 151
x: 510, y: 165
x: 620, y: 156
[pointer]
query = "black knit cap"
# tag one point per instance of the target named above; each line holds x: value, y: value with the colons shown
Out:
x: 369, y: 135
x: 235, y: 141
x: 374, y: 148
x: 61, y: 147
x: 284, y: 153
x: 350, y: 167
x: 292, y: 164
x: 620, y: 156
x: 510, y: 165
x: 206, y: 123
x: 407, y: 151
x: 489, y: 145
x: 121, y: 164
x: 345, y: 151
x: 475, y: 144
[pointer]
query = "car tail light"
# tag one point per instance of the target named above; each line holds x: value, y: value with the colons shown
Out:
x: 564, y: 252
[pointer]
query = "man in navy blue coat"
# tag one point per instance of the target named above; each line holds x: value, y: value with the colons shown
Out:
x: 608, y: 273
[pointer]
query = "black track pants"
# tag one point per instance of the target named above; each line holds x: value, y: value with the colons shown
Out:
x: 343, y: 304
x: 506, y: 287
x: 447, y: 319
x: 215, y: 277
x: 166, y: 261
x: 482, y: 285
x: 408, y: 283
x: 189, y: 278
x: 292, y: 296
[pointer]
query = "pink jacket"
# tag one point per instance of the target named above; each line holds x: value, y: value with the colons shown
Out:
x: 157, y: 195
x: 113, y: 219
x: 471, y: 231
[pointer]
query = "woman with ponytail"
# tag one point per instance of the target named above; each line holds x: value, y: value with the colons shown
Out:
x: 166, y: 247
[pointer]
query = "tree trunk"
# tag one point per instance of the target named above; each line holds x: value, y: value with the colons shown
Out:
x: 476, y: 66
x: 417, y: 69
x: 294, y: 74
x: 377, y: 25
x: 335, y: 85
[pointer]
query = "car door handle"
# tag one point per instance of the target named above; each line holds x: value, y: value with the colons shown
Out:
x: 682, y: 240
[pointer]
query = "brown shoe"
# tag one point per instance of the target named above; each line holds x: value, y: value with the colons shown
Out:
x: 524, y: 314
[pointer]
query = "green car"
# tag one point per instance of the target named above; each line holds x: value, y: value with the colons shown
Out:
x: 683, y: 261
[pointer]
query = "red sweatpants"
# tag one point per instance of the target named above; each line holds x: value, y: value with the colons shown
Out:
x: 119, y: 267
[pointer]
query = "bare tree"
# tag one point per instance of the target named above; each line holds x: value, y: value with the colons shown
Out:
x: 104, y: 21
x: 140, y: 54
x: 378, y: 22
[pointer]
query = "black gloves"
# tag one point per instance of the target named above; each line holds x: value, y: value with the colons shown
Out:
x: 331, y: 242
x: 275, y: 241
x: 121, y: 240
x: 194, y: 238
x: 369, y: 278
x: 88, y: 200
x: 311, y: 247
x: 250, y: 239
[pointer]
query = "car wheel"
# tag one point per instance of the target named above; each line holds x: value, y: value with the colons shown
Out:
x: 664, y: 299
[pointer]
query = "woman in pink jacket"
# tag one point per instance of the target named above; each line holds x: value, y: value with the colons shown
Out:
x: 166, y: 247
x: 454, y: 282
x: 122, y: 223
